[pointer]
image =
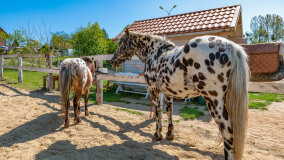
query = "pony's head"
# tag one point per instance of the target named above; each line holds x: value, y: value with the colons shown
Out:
x: 124, y: 51
x: 89, y: 62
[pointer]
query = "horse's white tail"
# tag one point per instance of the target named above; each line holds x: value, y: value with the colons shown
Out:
x: 237, y: 98
x: 65, y: 80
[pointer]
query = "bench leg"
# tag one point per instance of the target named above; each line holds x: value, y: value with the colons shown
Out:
x: 43, y: 83
x: 118, y: 88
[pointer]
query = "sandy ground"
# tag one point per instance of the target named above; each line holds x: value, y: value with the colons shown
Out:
x: 31, y: 128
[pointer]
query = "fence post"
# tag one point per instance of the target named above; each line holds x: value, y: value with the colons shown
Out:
x: 99, y: 85
x: 1, y: 66
x: 49, y: 75
x: 20, y: 70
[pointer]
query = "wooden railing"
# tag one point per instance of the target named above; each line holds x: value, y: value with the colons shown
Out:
x: 48, y: 69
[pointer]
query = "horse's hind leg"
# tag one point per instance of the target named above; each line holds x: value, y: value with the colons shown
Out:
x: 67, y: 122
x: 76, y: 104
x: 218, y: 111
x: 169, y: 109
x: 155, y: 96
x: 86, y: 102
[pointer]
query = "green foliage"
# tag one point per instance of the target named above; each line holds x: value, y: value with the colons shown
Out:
x: 61, y: 41
x: 259, y: 105
x: 90, y: 41
x: 129, y: 111
x: 190, y: 113
x: 268, y: 28
x: 262, y: 100
x: 32, y: 80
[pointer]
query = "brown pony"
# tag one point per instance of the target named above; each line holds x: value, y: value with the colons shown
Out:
x: 75, y: 75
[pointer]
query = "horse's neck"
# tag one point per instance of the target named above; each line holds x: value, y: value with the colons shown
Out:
x: 148, y: 48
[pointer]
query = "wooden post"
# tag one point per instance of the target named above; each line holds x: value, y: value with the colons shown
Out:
x: 20, y: 70
x: 49, y: 75
x: 99, y: 85
x: 1, y: 66
x: 58, y: 62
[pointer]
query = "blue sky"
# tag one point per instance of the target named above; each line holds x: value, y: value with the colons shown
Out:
x: 114, y: 15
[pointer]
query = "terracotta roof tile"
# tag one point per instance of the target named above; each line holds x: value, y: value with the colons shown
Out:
x: 213, y: 19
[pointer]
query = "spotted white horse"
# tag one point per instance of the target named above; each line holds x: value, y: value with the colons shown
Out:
x: 208, y: 66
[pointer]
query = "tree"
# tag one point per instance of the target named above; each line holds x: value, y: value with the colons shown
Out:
x: 269, y: 28
x: 60, y: 41
x: 90, y: 41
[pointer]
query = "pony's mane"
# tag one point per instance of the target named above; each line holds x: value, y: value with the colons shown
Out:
x: 151, y: 36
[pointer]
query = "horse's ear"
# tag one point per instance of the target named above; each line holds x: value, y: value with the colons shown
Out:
x: 126, y: 31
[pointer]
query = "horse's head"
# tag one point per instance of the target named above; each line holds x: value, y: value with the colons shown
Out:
x: 89, y: 62
x: 124, y: 51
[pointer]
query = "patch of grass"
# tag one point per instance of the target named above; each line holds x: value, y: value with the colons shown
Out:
x: 207, y: 131
x: 177, y: 120
x: 259, y: 105
x: 262, y: 100
x: 31, y: 80
x: 129, y: 111
x: 190, y: 113
x: 164, y: 111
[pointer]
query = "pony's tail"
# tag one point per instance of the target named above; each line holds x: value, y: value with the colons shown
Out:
x: 237, y: 99
x: 65, y: 80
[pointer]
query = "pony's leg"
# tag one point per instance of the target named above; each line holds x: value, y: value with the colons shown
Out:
x: 67, y: 122
x: 169, y: 109
x: 86, y: 102
x: 155, y: 96
x: 220, y: 114
x: 76, y: 102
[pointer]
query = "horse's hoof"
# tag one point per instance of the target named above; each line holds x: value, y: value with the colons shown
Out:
x: 158, y: 137
x: 66, y: 125
x: 87, y: 113
x: 78, y: 120
x: 170, y: 136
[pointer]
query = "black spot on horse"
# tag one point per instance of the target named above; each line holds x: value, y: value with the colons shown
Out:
x: 198, y: 40
x: 207, y: 62
x: 218, y: 42
x: 228, y: 73
x: 212, y: 56
x: 196, y: 65
x: 216, y: 102
x: 194, y: 44
x: 201, y: 85
x: 221, y: 78
x: 201, y: 76
x: 204, y: 93
x: 190, y: 61
x: 213, y: 93
x: 230, y: 130
x: 210, y: 70
x: 222, y: 48
x: 227, y: 145
x: 224, y: 59
x: 224, y: 87
x: 195, y: 78
x: 211, y: 38
x: 212, y: 44
x: 218, y: 55
x: 229, y: 63
x: 186, y: 48
x: 225, y: 113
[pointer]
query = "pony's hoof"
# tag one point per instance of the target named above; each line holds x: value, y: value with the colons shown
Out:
x: 67, y: 124
x: 158, y: 137
x: 78, y: 120
x: 87, y: 113
x: 170, y: 136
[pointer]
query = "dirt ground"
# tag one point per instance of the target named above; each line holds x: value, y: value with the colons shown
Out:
x: 31, y: 128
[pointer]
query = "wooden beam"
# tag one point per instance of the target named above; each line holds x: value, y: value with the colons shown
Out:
x: 46, y: 70
x: 99, y: 85
x: 102, y: 57
x: 138, y: 79
x: 25, y: 55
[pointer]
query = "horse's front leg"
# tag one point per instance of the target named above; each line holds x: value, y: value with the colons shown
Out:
x: 156, y: 99
x: 169, y: 109
x: 86, y: 102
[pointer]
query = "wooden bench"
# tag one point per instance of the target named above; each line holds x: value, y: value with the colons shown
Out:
x: 54, y: 78
x: 119, y: 88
